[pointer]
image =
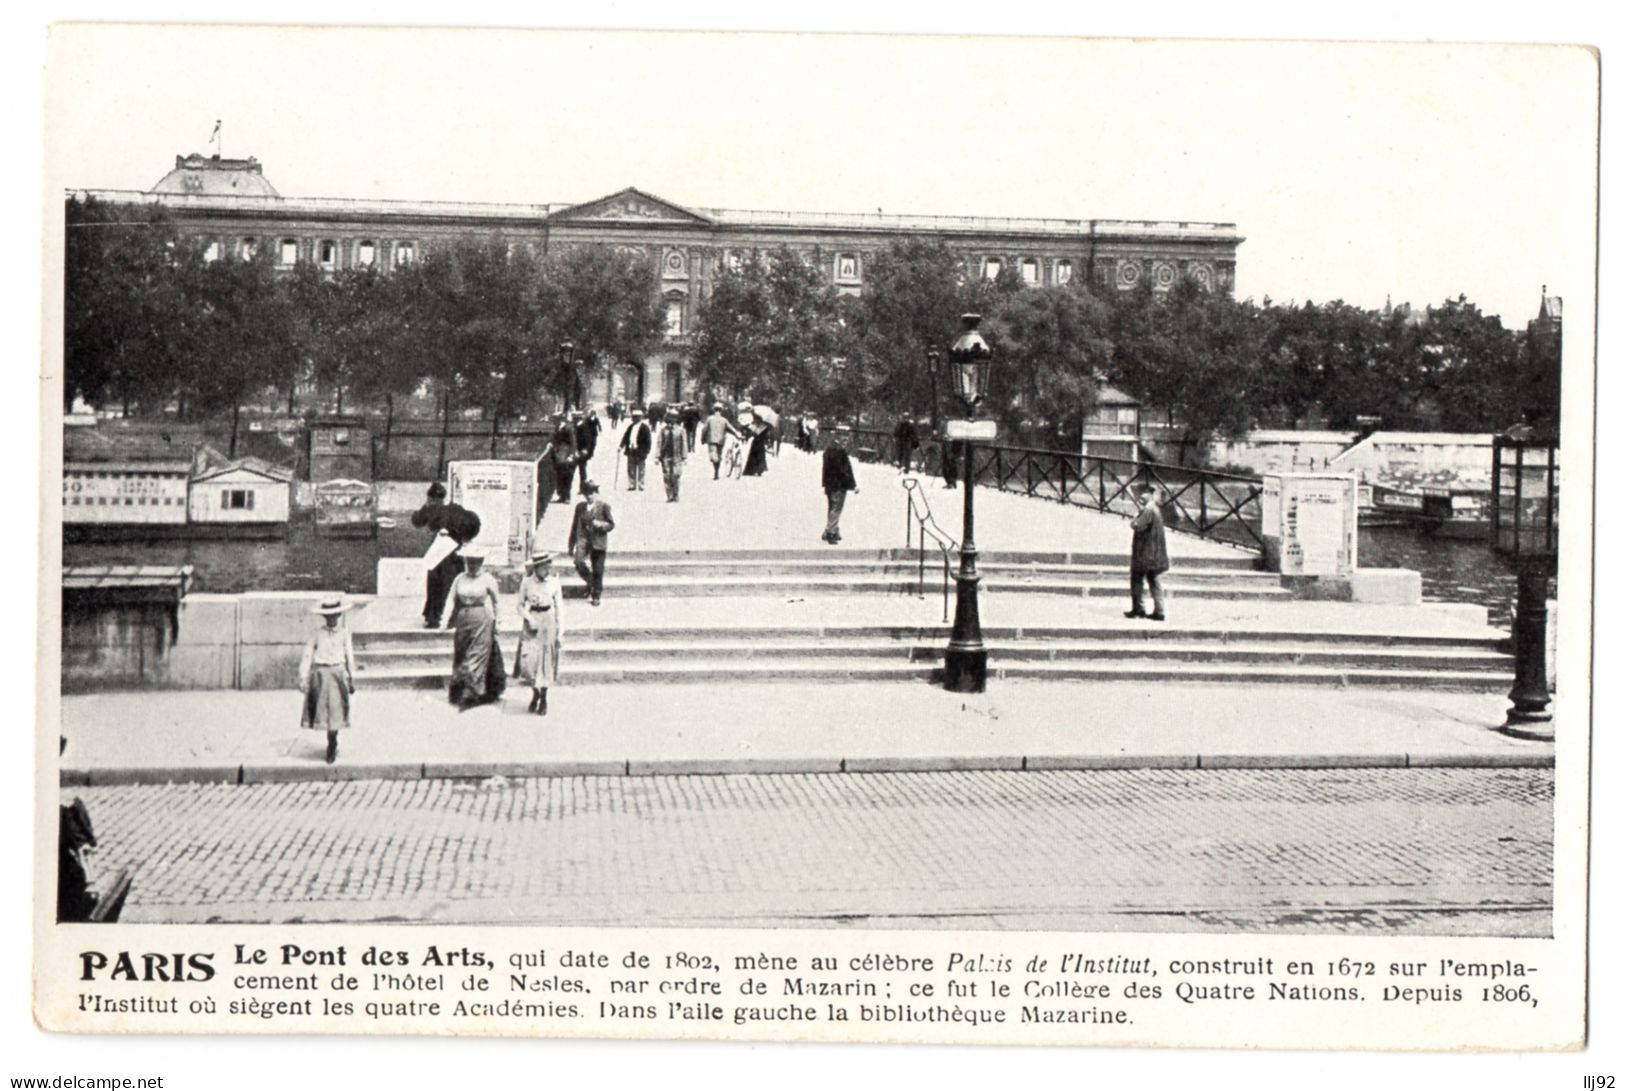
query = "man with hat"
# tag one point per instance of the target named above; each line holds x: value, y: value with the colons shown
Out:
x: 564, y: 456
x: 636, y: 441
x: 717, y: 430
x: 586, y: 440
x: 1149, y: 557
x: 327, y: 675
x: 672, y: 446
x: 838, y: 481
x: 589, y: 539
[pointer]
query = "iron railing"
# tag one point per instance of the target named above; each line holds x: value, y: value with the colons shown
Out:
x: 1220, y: 506
x: 919, y: 515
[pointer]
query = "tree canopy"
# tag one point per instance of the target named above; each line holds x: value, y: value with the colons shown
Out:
x: 152, y: 322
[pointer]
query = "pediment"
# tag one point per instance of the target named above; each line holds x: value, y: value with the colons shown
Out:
x: 630, y: 205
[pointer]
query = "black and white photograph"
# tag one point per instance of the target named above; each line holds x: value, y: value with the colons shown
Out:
x: 894, y: 494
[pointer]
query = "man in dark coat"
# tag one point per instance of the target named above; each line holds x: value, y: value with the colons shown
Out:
x: 564, y: 456
x: 950, y: 455
x: 636, y: 441
x: 434, y: 516
x: 586, y: 440
x: 589, y: 539
x: 838, y: 481
x: 1149, y: 559
x: 907, y: 437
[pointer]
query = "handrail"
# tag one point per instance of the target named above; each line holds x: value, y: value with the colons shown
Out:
x: 919, y: 513
x: 1212, y: 504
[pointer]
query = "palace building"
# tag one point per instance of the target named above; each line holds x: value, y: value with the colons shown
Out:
x: 231, y: 204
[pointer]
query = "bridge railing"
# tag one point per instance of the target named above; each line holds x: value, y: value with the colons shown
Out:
x: 1220, y: 506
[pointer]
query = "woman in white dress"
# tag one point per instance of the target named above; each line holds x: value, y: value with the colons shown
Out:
x: 541, y: 630
x: 327, y: 676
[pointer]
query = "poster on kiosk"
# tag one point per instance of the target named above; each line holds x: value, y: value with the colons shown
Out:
x: 1311, y: 524
x: 503, y: 494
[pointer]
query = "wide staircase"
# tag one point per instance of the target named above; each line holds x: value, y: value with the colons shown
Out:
x: 846, y: 615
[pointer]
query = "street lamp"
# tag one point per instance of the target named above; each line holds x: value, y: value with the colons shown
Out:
x: 933, y: 362
x: 965, y: 666
x: 567, y: 353
x: 1523, y: 527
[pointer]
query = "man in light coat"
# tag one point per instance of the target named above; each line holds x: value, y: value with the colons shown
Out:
x: 672, y: 450
x: 717, y: 430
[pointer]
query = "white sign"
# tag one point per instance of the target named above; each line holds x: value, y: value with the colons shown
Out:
x: 972, y: 429
x: 1313, y: 519
x: 503, y: 494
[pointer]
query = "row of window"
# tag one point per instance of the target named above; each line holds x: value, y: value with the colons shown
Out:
x: 128, y: 501
x: 327, y: 253
x: 1031, y: 270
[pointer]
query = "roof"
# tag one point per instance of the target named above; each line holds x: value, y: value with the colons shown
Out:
x: 1110, y: 395
x: 127, y: 577
x: 250, y: 464
x: 84, y: 444
x: 212, y: 176
x: 179, y: 467
x: 631, y: 205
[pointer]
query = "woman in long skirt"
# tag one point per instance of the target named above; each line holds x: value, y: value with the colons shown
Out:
x: 327, y: 676
x: 756, y: 450
x: 477, y: 676
x: 541, y: 630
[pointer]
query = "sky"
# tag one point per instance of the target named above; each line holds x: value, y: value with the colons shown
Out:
x: 1356, y: 172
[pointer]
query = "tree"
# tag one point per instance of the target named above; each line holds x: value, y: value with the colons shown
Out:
x: 1192, y: 353
x: 122, y: 303
x: 606, y: 302
x: 914, y: 293
x: 772, y: 330
x: 1051, y: 344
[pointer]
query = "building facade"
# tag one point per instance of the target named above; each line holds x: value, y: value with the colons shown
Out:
x: 230, y: 204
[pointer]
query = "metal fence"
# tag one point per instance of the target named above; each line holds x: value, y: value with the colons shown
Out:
x: 417, y: 449
x: 1221, y: 506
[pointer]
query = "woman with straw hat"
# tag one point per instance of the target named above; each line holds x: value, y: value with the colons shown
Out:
x: 327, y: 675
x: 477, y: 677
x: 541, y: 630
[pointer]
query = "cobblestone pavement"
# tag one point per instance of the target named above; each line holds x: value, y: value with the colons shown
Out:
x: 1420, y: 851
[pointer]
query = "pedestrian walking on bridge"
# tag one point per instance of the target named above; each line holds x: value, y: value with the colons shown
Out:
x: 672, y: 447
x: 477, y: 674
x: 636, y: 441
x: 327, y: 676
x: 1149, y: 557
x: 838, y: 481
x: 589, y: 539
x: 541, y: 630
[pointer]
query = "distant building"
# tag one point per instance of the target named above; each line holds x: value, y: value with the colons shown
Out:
x: 230, y: 204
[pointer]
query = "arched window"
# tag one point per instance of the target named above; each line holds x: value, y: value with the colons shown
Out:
x: 289, y: 252
x: 327, y: 254
x: 366, y: 253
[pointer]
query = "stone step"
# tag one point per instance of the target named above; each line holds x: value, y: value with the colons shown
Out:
x: 1240, y: 561
x: 438, y: 657
x: 1139, y: 633
x: 909, y: 569
x: 695, y: 670
x: 653, y: 586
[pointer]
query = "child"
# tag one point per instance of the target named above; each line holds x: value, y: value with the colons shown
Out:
x: 327, y: 676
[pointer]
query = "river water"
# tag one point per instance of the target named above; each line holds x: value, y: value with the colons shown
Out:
x: 1452, y: 570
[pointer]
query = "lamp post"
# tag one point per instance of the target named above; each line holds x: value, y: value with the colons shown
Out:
x: 933, y: 361
x: 1523, y: 526
x: 965, y: 666
x: 567, y: 354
